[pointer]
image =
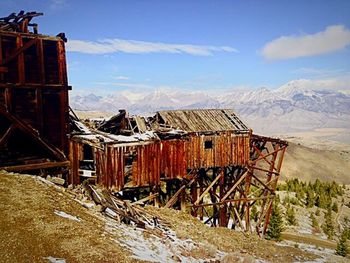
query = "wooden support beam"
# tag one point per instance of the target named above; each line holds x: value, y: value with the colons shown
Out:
x: 207, y: 189
x: 263, y: 170
x: 239, y: 218
x: 175, y: 197
x: 230, y: 201
x: 263, y: 157
x: 247, y: 204
x: 3, y: 69
x: 143, y: 200
x: 33, y: 134
x: 19, y: 51
x: 261, y: 182
x: 280, y: 160
x: 35, y: 166
x: 234, y: 186
x: 7, y: 134
x: 222, y: 208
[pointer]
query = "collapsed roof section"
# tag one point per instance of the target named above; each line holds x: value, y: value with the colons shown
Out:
x: 116, y: 130
x: 19, y: 22
x: 122, y: 128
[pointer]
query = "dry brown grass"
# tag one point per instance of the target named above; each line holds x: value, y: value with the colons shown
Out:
x: 308, y: 164
x: 30, y: 231
x: 229, y: 241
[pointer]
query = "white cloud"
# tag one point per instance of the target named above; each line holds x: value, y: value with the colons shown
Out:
x: 57, y: 4
x: 131, y: 46
x: 121, y: 78
x: 333, y: 38
x: 336, y: 83
x: 319, y: 72
x: 125, y: 85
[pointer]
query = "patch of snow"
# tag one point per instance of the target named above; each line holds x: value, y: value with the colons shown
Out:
x: 82, y: 127
x: 146, y: 246
x: 55, y: 260
x: 88, y: 205
x: 110, y: 212
x: 323, y: 253
x: 176, y: 131
x: 68, y: 216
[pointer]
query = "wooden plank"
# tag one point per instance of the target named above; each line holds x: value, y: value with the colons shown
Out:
x: 7, y: 134
x: 175, y: 197
x: 20, y: 49
x: 230, y: 201
x: 234, y: 186
x: 208, y: 189
x: 143, y: 200
x: 36, y: 166
x: 40, y: 50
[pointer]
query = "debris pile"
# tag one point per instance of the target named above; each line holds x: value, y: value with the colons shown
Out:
x: 19, y: 22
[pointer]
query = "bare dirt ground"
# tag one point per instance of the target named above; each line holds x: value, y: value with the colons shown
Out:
x: 34, y: 230
x: 92, y: 114
x: 31, y: 231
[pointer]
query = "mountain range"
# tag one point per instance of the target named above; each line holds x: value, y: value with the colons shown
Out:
x: 290, y: 108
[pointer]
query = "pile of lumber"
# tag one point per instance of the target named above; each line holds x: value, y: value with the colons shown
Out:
x: 126, y: 212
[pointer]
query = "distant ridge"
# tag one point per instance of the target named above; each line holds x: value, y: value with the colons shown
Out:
x: 290, y: 108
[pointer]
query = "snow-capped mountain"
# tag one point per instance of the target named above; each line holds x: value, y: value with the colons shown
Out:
x: 289, y: 108
x: 92, y: 102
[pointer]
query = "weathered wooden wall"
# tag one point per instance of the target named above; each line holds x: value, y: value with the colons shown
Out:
x: 75, y: 155
x: 166, y: 159
x: 227, y: 149
x: 33, y: 83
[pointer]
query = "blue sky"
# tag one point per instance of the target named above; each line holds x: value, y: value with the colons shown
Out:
x: 197, y: 45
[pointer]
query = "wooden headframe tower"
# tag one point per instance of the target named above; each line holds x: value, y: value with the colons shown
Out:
x: 33, y: 96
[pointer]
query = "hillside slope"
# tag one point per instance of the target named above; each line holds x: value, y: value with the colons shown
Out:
x: 41, y: 222
x: 309, y: 163
x: 32, y: 230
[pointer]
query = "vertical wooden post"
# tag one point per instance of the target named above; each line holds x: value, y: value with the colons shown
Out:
x: 183, y: 200
x: 20, y: 59
x: 201, y: 189
x: 194, y: 195
x: 247, y: 203
x: 40, y: 51
x: 1, y: 73
x: 223, y: 207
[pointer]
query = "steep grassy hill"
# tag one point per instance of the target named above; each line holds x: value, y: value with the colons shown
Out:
x: 317, y: 161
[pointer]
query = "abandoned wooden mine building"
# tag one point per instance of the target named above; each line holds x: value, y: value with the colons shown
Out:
x: 33, y: 96
x: 205, y: 161
x: 190, y: 159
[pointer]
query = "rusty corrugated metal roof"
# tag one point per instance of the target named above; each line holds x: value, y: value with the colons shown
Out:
x: 202, y: 120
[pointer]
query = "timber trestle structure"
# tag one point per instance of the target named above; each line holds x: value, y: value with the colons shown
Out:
x: 224, y: 196
x: 205, y: 162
